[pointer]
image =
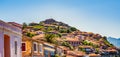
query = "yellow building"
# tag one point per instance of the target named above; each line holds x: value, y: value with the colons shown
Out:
x: 31, y: 48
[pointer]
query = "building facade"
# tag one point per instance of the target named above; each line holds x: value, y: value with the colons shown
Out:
x: 31, y: 48
x: 73, y: 41
x: 49, y: 50
x: 10, y: 40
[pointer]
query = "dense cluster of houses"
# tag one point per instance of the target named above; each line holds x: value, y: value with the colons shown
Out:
x: 14, y: 44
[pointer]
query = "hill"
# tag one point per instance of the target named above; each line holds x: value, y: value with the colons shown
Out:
x: 61, y: 34
x: 114, y: 41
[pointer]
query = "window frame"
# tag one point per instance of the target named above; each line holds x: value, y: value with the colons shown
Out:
x: 41, y: 47
x: 16, y: 46
x: 25, y: 47
x: 36, y: 47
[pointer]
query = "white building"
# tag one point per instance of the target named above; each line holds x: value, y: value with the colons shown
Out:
x: 10, y: 40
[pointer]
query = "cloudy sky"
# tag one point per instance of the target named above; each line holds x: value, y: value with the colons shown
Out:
x: 98, y: 16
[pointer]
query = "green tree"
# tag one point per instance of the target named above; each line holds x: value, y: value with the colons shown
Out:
x: 49, y: 28
x: 91, y: 44
x: 68, y: 31
x: 63, y: 31
x: 73, y: 29
x: 56, y: 55
x: 97, y: 51
x: 30, y: 34
x: 24, y: 25
x: 50, y: 38
x: 95, y: 46
x: 58, y: 35
x: 58, y: 28
x: 85, y: 43
x: 41, y: 23
x: 67, y: 45
x: 81, y: 49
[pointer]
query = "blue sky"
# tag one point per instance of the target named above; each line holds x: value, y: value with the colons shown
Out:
x: 98, y: 16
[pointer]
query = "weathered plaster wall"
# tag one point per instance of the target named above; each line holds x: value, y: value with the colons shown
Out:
x: 28, y: 48
x: 15, y: 35
x: 18, y: 40
x: 1, y: 44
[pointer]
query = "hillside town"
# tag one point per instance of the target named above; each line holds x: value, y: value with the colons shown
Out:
x: 51, y: 38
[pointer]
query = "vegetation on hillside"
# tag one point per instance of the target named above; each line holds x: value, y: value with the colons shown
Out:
x: 54, y: 30
x: 50, y: 38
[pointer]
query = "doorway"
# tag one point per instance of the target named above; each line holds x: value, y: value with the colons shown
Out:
x: 6, y: 46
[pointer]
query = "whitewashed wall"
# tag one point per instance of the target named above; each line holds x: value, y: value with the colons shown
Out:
x: 1, y: 44
x: 15, y: 35
x: 12, y: 40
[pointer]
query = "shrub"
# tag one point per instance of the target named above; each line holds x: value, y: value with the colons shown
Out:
x: 68, y: 31
x: 56, y: 55
x: 97, y: 51
x: 73, y: 29
x: 63, y: 31
x: 50, y: 38
x: 24, y: 25
x: 30, y: 34
x: 67, y: 45
x: 81, y: 49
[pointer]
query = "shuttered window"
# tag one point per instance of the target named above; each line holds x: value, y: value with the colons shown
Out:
x: 23, y: 47
x: 15, y: 47
x: 35, y: 47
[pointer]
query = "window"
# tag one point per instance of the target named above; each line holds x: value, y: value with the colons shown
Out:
x: 40, y: 48
x: 35, y: 46
x: 23, y: 47
x: 15, y: 47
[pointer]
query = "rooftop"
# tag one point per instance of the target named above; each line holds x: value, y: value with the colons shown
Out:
x: 72, y: 39
x: 76, y: 53
x: 16, y: 24
x: 40, y: 36
x: 95, y: 55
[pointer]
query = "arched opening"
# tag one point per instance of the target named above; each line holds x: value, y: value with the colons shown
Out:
x: 6, y: 46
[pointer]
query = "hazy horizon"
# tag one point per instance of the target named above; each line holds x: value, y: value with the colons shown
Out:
x: 98, y: 16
